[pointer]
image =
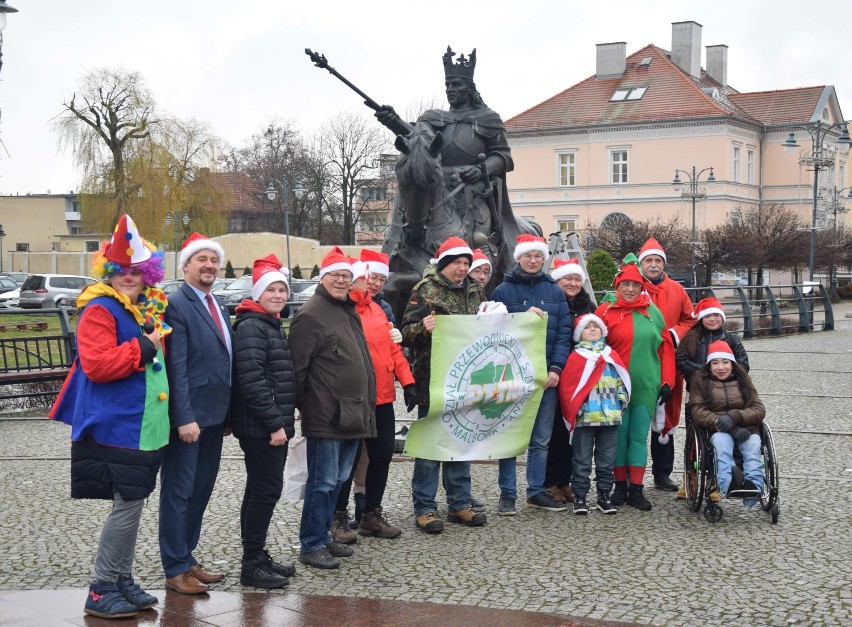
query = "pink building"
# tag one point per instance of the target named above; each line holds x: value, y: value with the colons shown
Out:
x: 608, y: 147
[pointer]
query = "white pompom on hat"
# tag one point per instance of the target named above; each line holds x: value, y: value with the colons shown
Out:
x: 198, y: 242
x: 720, y: 350
x: 583, y: 321
x: 566, y: 267
x: 527, y: 243
x: 265, y: 272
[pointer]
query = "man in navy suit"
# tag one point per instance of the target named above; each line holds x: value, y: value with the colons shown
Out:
x: 198, y: 357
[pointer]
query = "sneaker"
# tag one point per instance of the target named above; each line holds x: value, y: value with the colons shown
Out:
x: 635, y: 498
x: 619, y: 493
x: 258, y: 573
x: 555, y: 492
x: 319, y: 558
x: 285, y: 569
x: 507, y: 506
x: 341, y: 530
x: 603, y: 503
x: 429, y: 523
x: 135, y: 595
x: 338, y: 549
x: 543, y: 500
x: 467, y: 517
x: 105, y: 600
x: 580, y: 507
x: 373, y: 523
x: 477, y: 506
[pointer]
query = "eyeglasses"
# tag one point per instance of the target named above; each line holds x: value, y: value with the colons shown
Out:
x: 572, y: 278
x: 340, y: 276
x: 531, y: 256
x: 377, y: 279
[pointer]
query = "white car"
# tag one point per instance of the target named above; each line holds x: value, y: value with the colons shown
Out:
x: 10, y: 299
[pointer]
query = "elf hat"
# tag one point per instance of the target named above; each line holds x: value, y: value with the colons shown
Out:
x: 566, y: 267
x: 583, y: 321
x: 707, y: 306
x: 527, y: 243
x: 265, y: 272
x: 376, y: 262
x: 449, y: 251
x: 652, y: 247
x: 479, y: 259
x: 333, y: 261
x: 720, y: 350
x: 629, y: 272
x: 198, y: 242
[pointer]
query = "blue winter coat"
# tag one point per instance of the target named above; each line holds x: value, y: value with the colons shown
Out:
x: 519, y: 291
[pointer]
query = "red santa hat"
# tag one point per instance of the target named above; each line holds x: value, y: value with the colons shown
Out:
x: 375, y: 262
x: 720, y: 350
x: 707, y: 306
x: 479, y: 259
x: 527, y: 243
x: 566, y: 267
x: 629, y: 272
x: 583, y: 321
x: 333, y: 261
x: 197, y: 242
x: 265, y: 272
x: 652, y: 247
x: 126, y: 247
x: 449, y: 251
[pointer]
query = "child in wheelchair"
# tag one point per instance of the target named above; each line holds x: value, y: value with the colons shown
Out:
x: 724, y: 402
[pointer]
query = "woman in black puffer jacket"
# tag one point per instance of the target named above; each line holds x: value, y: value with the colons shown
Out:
x: 262, y: 415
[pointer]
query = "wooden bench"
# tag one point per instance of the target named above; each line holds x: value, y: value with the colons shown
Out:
x: 25, y: 325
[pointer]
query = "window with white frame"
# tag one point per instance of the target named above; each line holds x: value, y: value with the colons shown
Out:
x: 736, y: 163
x: 566, y: 169
x: 750, y: 166
x: 566, y: 224
x: 618, y: 165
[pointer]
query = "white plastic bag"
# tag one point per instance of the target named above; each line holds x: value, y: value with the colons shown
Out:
x: 296, y: 468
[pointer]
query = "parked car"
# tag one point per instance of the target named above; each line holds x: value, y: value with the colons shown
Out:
x: 7, y: 284
x: 9, y: 300
x: 17, y: 277
x: 173, y: 285
x: 52, y: 290
x: 234, y: 293
x: 300, y: 291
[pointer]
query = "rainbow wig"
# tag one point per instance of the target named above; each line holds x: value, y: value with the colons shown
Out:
x: 152, y: 270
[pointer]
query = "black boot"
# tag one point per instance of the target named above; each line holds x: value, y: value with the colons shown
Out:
x: 619, y: 493
x: 360, y: 501
x: 258, y: 573
x: 636, y: 499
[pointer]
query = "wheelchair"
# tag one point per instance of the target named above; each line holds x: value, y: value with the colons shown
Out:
x: 699, y: 461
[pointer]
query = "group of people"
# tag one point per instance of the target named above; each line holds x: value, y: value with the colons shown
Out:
x: 158, y: 383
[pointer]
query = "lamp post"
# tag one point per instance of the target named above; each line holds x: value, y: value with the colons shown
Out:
x: 4, y: 9
x: 2, y: 235
x: 298, y: 191
x: 694, y: 192
x: 176, y: 219
x: 819, y: 159
x: 835, y: 206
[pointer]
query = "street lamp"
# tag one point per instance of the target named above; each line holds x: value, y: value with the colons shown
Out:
x: 4, y: 9
x: 835, y: 206
x: 177, y: 219
x: 819, y: 159
x: 694, y: 192
x: 299, y: 192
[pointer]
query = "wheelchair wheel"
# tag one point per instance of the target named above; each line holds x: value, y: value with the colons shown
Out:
x: 695, y: 469
x: 769, y: 498
x: 713, y: 513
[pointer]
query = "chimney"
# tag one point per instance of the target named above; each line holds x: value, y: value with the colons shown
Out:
x: 686, y: 47
x: 717, y: 63
x: 611, y: 59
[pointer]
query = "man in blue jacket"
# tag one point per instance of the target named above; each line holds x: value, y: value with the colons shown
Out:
x: 529, y: 288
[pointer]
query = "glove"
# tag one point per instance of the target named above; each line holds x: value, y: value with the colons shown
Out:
x: 741, y: 434
x: 395, y: 335
x: 410, y: 397
x: 724, y: 423
x: 665, y: 393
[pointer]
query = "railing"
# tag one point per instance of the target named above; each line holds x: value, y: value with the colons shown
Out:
x: 758, y: 310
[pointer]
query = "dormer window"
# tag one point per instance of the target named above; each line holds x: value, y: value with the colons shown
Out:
x: 628, y: 93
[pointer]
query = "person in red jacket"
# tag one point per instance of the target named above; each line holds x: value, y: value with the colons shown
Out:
x: 389, y: 364
x: 674, y: 303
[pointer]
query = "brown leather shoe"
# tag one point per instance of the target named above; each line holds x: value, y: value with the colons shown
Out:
x: 204, y: 576
x: 185, y: 583
x: 555, y: 493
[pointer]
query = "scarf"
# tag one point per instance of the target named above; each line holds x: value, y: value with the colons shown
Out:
x: 149, y: 307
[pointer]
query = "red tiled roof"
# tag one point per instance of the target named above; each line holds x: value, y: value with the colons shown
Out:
x: 781, y: 106
x: 239, y: 191
x: 672, y: 95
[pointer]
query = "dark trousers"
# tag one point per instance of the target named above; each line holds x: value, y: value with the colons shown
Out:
x: 559, y: 454
x: 264, y: 483
x: 380, y: 452
x: 662, y: 456
x: 186, y: 483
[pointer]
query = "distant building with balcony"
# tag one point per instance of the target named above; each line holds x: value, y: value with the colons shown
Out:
x: 376, y: 200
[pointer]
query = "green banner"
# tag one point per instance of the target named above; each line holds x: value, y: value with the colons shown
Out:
x: 485, y: 388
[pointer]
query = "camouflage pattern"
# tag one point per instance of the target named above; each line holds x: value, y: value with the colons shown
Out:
x: 433, y: 293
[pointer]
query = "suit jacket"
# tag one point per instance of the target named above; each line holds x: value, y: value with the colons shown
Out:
x: 197, y: 362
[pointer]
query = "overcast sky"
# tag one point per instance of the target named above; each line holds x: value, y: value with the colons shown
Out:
x: 239, y: 64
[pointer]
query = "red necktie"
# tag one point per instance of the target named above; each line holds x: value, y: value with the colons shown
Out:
x: 214, y: 311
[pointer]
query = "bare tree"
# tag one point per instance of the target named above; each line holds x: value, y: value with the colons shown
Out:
x: 619, y: 238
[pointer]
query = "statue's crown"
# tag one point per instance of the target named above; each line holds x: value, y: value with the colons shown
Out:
x: 464, y: 68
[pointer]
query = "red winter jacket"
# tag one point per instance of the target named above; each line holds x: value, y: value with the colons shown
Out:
x: 388, y: 360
